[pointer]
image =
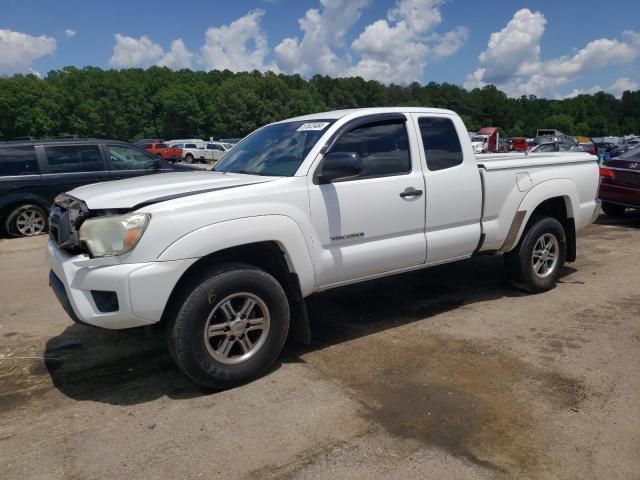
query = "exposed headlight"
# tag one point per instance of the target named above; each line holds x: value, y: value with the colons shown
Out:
x: 113, y: 235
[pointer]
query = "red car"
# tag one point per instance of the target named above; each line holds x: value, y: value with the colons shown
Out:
x: 161, y: 150
x: 519, y: 144
x: 620, y: 183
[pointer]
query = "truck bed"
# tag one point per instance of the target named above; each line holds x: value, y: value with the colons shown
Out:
x: 508, y: 177
x: 499, y: 161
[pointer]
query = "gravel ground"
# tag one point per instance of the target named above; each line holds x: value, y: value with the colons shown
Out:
x: 444, y: 373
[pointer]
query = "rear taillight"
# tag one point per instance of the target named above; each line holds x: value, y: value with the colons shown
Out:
x: 607, y: 173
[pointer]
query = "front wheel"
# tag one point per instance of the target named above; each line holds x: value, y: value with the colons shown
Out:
x: 188, y: 158
x: 535, y: 264
x: 231, y: 327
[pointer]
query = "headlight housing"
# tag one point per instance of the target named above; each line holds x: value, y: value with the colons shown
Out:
x: 113, y: 235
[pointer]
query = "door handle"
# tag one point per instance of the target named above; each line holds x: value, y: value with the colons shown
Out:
x: 411, y: 193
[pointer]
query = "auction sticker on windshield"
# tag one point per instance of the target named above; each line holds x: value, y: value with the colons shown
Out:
x: 312, y: 126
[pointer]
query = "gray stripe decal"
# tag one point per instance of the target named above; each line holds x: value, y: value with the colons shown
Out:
x: 188, y: 194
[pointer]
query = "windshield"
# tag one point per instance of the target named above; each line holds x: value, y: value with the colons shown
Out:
x: 275, y: 150
x: 477, y: 138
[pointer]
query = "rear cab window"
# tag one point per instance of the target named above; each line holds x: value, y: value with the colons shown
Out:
x: 76, y: 158
x: 18, y: 161
x: 441, y: 143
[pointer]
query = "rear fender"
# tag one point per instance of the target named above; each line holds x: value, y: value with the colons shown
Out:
x: 561, y: 187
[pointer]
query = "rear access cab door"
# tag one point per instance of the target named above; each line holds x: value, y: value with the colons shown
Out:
x: 453, y: 187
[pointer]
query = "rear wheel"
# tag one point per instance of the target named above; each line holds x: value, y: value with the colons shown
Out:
x: 231, y: 327
x: 613, y: 209
x: 26, y: 221
x: 188, y: 158
x: 535, y: 264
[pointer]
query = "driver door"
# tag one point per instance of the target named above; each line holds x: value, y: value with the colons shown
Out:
x: 368, y: 224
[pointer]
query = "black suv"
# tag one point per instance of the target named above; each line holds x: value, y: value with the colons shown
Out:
x: 33, y: 172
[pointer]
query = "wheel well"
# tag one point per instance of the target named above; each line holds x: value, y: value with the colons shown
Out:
x: 556, y: 207
x: 265, y: 255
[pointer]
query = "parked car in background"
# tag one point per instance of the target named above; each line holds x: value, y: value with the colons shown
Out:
x: 232, y: 141
x: 144, y: 141
x: 605, y: 146
x: 588, y: 147
x: 620, y: 183
x: 519, y: 144
x: 32, y: 173
x: 203, y: 152
x: 173, y: 143
x: 162, y: 150
x: 554, y: 146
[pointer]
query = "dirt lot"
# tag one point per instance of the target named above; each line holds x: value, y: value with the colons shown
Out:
x: 445, y: 373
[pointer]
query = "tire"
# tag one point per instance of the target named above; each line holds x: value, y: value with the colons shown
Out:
x: 613, y: 210
x: 543, y: 234
x: 27, y: 220
x: 188, y: 158
x: 209, y: 339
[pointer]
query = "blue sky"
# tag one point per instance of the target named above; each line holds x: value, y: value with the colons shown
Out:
x: 547, y: 48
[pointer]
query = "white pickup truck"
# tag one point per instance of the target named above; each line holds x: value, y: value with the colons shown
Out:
x: 202, y: 152
x: 225, y: 258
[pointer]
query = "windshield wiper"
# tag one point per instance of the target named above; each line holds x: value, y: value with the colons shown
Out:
x: 250, y: 172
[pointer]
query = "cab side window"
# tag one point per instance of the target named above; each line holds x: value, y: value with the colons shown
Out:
x: 77, y: 158
x: 127, y: 158
x: 440, y: 142
x: 383, y: 148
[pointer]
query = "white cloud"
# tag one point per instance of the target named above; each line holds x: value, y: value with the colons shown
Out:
x: 143, y: 52
x: 395, y: 49
x: 512, y: 58
x: 69, y: 33
x: 19, y: 50
x: 239, y: 46
x: 324, y: 30
x: 582, y: 91
x: 616, y: 89
x: 178, y: 57
x: 621, y: 85
x: 135, y: 52
x: 510, y: 50
x: 450, y: 42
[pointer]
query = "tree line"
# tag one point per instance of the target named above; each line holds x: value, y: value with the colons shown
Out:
x: 161, y: 103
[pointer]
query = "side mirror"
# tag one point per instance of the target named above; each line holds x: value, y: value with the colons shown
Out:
x: 339, y: 165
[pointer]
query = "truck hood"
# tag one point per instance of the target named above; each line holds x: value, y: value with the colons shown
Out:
x: 137, y: 192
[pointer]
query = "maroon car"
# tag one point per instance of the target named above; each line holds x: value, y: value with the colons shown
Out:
x: 620, y: 183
